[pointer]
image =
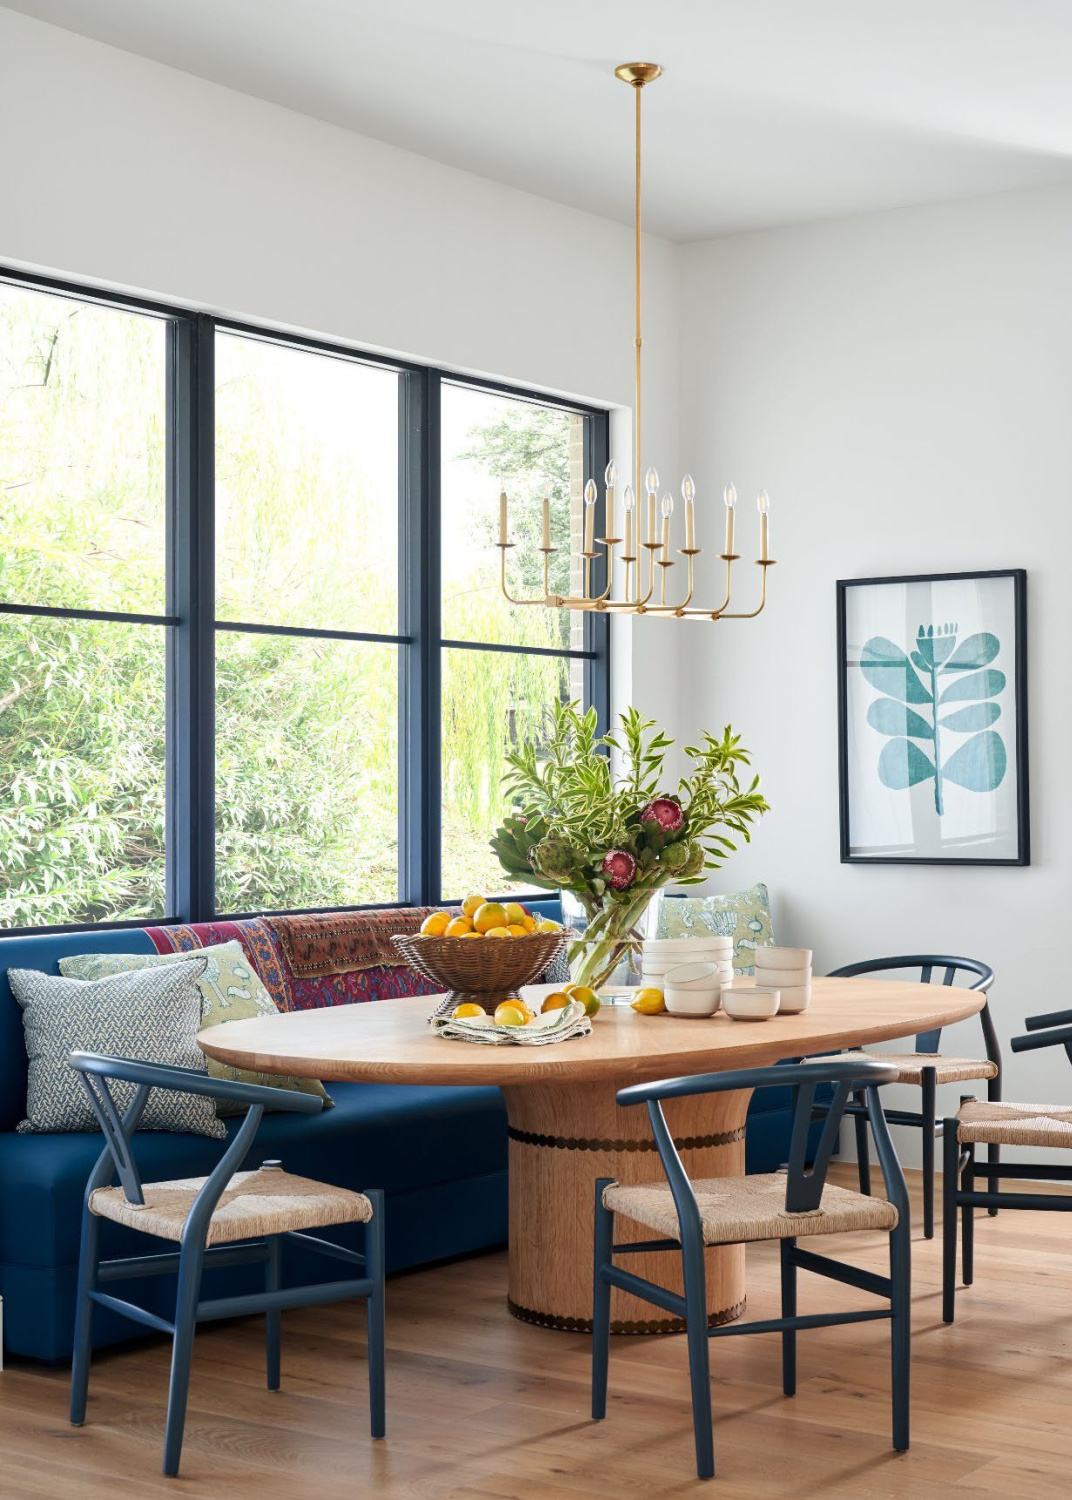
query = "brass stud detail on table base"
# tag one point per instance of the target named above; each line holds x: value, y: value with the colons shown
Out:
x: 620, y: 1325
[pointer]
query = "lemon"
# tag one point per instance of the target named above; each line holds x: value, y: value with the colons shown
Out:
x: 515, y: 914
x: 649, y: 1002
x: 515, y: 929
x: 471, y: 905
x: 498, y: 932
x: 437, y: 924
x: 529, y: 924
x: 525, y: 1009
x: 466, y: 1011
x: 460, y: 927
x: 584, y: 996
x: 554, y: 1001
x: 472, y: 933
x: 545, y: 924
x: 488, y: 916
x: 509, y: 1014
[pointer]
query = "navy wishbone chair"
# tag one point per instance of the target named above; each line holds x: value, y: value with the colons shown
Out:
x: 765, y: 1206
x: 993, y: 1123
x: 237, y: 1234
x: 917, y: 1067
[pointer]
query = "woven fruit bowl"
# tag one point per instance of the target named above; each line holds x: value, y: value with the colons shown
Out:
x: 485, y: 972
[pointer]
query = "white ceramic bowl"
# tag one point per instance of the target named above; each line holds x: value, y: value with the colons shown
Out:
x: 667, y: 947
x: 698, y: 976
x: 692, y: 1002
x: 783, y: 958
x: 752, y: 1004
x: 795, y: 998
x: 775, y: 978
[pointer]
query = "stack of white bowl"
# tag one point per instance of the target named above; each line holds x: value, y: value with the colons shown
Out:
x: 787, y: 970
x: 662, y: 954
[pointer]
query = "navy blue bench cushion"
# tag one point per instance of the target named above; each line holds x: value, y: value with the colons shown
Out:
x: 403, y: 1137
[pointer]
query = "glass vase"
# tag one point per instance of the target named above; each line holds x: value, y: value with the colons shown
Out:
x: 606, y: 937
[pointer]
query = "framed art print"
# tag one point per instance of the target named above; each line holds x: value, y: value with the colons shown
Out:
x: 932, y: 719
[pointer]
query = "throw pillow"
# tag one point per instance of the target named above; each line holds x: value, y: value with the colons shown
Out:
x: 152, y: 1016
x: 744, y: 916
x: 231, y: 990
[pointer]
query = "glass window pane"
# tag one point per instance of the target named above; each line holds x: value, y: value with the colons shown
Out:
x: 491, y: 700
x: 82, y: 457
x: 306, y: 489
x: 82, y: 771
x: 306, y: 772
x: 493, y: 442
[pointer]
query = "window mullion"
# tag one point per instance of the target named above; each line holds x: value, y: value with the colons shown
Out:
x: 191, y: 801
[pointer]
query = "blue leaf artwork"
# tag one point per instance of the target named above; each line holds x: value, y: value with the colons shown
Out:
x: 931, y: 697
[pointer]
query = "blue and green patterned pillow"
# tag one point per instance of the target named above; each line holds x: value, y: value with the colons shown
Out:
x: 744, y: 916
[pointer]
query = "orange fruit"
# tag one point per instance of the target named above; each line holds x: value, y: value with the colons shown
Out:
x: 466, y: 1011
x: 460, y: 927
x: 515, y: 929
x: 586, y: 997
x: 525, y: 1009
x: 471, y: 905
x: 472, y: 933
x: 436, y: 924
x: 509, y: 1014
x: 515, y: 914
x: 489, y: 915
x: 554, y: 1001
x: 529, y: 924
x: 498, y: 932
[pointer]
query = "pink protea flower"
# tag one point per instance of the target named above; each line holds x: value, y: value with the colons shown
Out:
x: 666, y: 812
x: 619, y: 867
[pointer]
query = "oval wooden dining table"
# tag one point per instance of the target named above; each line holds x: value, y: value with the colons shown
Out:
x: 565, y: 1126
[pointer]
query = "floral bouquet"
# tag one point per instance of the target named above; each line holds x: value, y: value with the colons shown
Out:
x: 590, y: 821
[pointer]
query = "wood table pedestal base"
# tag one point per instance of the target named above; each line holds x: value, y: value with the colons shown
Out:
x: 561, y: 1139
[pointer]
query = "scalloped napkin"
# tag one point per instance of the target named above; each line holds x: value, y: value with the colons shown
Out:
x: 554, y: 1026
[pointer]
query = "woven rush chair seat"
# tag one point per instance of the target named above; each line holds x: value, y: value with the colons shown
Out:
x: 1008, y: 1124
x: 738, y: 1210
x: 910, y: 1066
x: 267, y: 1201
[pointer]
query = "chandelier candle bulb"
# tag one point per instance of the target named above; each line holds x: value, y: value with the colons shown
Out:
x: 688, y: 491
x: 546, y: 525
x: 502, y: 519
x: 611, y: 478
x: 668, y: 511
x: 590, y: 516
x: 763, y: 506
x: 730, y: 498
x: 627, y: 501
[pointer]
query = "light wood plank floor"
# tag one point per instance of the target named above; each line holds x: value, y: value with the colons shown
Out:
x: 480, y: 1405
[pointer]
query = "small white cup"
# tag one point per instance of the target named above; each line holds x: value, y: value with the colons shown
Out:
x: 756, y: 1004
x: 783, y: 958
x: 795, y: 998
x: 776, y: 978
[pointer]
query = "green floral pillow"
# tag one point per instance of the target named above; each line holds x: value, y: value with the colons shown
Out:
x: 231, y: 990
x: 744, y: 916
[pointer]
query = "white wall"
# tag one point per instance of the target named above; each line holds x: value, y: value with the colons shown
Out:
x: 119, y: 171
x: 901, y: 383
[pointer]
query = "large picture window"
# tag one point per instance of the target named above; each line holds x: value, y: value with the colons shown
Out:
x: 254, y: 655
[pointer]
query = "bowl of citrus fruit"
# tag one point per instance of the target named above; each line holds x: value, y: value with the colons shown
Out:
x: 482, y: 954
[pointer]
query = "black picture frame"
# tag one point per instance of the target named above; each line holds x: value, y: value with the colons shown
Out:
x: 1018, y: 579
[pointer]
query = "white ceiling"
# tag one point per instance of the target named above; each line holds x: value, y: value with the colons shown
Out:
x: 771, y: 111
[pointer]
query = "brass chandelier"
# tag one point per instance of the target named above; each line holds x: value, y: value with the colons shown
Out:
x: 641, y: 528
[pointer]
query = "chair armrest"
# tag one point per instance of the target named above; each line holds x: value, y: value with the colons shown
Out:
x: 1059, y: 1038
x: 1054, y: 1018
x: 190, y: 1081
x: 831, y: 1070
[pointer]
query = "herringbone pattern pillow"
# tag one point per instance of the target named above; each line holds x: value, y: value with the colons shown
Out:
x: 153, y: 1015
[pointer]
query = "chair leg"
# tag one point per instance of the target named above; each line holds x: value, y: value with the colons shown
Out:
x: 374, y: 1311
x: 901, y: 1332
x: 993, y: 1153
x: 182, y: 1348
x: 928, y: 1111
x: 273, y: 1320
x: 950, y: 1173
x: 967, y: 1220
x: 83, y: 1318
x: 692, y: 1259
x: 603, y: 1241
x: 863, y: 1158
x: 789, y: 1310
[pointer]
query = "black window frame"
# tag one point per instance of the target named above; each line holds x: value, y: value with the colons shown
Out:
x: 189, y: 617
